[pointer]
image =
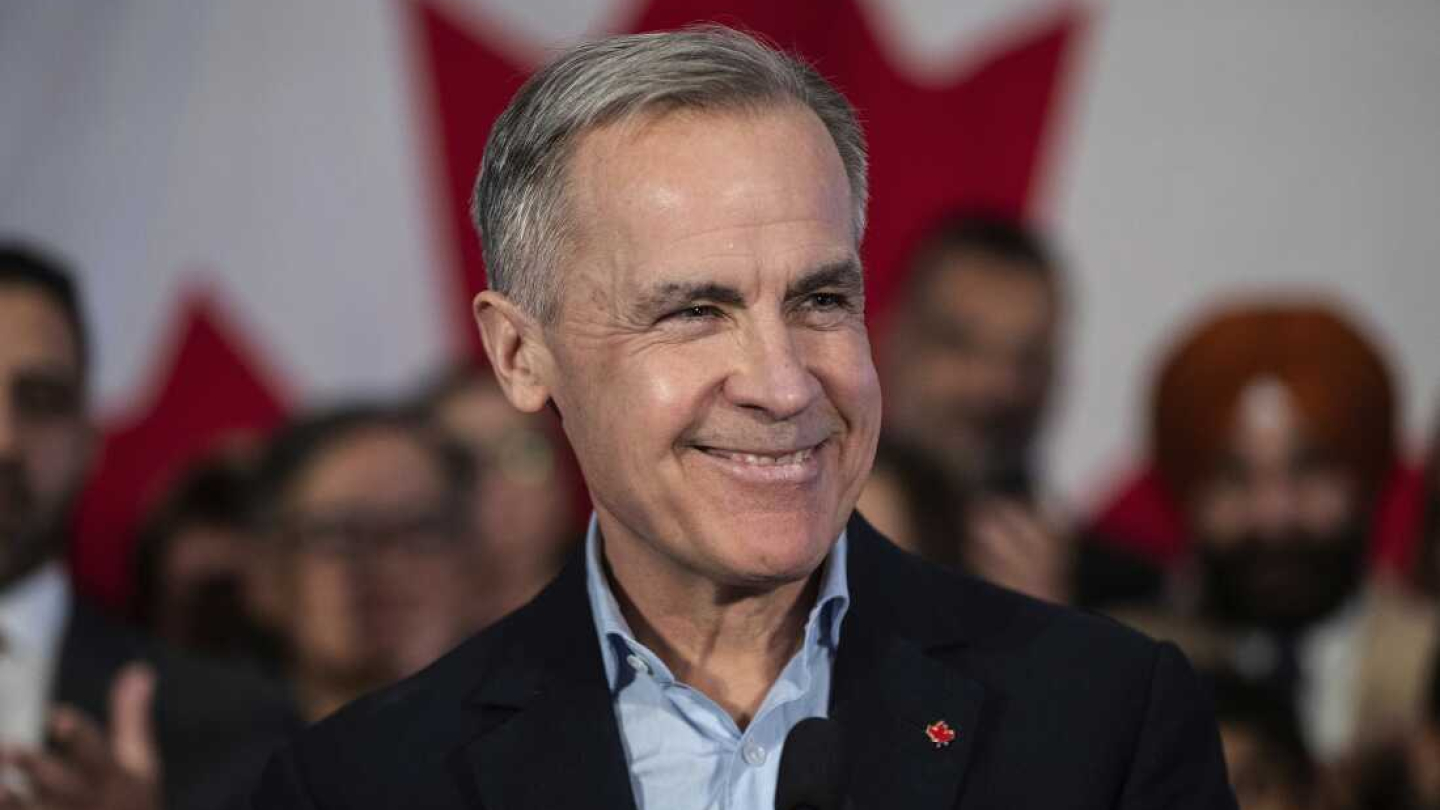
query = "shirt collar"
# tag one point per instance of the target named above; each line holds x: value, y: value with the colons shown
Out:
x: 33, y: 611
x: 616, y: 639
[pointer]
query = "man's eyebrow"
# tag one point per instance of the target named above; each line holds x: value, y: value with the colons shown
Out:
x: 674, y: 295
x: 844, y: 276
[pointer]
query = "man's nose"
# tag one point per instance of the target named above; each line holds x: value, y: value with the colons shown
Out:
x: 1274, y: 508
x: 772, y: 375
x: 1003, y: 375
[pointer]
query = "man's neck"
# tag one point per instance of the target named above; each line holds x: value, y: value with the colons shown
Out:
x: 730, y: 643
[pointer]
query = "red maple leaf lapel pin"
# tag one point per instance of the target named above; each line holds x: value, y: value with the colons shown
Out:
x: 940, y: 733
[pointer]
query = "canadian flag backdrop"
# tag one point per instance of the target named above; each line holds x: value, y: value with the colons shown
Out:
x: 266, y: 199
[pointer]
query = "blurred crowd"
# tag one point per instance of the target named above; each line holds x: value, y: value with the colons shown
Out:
x: 292, y: 573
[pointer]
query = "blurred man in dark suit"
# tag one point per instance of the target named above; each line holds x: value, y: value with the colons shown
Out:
x: 970, y: 365
x: 1274, y: 426
x: 671, y: 225
x: 180, y: 734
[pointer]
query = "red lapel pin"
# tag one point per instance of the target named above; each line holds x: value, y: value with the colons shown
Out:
x: 940, y: 733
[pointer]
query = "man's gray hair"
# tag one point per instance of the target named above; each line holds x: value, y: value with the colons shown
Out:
x: 519, y: 202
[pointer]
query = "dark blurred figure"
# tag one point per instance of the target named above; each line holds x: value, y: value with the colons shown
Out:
x: 524, y: 500
x: 1265, y: 754
x: 1274, y: 428
x: 178, y: 730
x: 973, y: 349
x: 371, y: 569
x: 194, y: 560
x: 969, y: 367
x: 914, y: 499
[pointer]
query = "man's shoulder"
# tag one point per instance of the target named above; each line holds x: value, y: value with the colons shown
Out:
x: 1030, y: 678
x: 936, y: 606
x: 395, y: 746
x: 428, y: 703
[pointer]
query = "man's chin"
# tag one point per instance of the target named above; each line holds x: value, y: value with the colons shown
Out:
x: 769, y: 549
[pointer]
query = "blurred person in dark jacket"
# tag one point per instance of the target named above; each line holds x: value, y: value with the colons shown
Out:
x: 91, y: 713
x: 193, y: 563
x: 524, y: 501
x: 1274, y: 428
x: 969, y: 369
x: 374, y: 571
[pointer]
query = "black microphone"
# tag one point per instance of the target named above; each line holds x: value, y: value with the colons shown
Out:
x: 812, y: 767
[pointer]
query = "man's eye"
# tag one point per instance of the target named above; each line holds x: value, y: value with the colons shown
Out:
x: 827, y: 302
x: 694, y: 313
x: 42, y: 398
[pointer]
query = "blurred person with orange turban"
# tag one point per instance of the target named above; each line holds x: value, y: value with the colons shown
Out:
x: 1274, y: 428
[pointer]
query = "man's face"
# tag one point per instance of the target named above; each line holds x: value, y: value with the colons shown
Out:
x: 710, y: 359
x: 44, y: 436
x: 969, y: 368
x: 1279, y: 520
x: 379, y: 568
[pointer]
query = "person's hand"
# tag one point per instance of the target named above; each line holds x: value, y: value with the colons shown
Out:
x: 86, y: 771
x: 1009, y: 544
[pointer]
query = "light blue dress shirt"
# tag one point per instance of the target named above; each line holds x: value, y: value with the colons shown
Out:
x: 684, y: 750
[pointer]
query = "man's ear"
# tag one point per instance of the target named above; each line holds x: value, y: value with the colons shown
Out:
x: 515, y: 344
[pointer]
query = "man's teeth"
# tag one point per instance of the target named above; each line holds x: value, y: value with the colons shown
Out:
x: 798, y: 457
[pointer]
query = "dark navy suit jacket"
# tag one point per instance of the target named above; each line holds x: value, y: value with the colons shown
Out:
x: 1052, y: 708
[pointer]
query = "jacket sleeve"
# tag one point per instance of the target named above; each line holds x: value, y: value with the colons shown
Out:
x: 1178, y: 763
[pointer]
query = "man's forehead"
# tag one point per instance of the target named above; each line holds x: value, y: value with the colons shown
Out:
x: 690, y: 161
x: 690, y: 199
x: 382, y: 462
x: 964, y: 273
x: 35, y: 333
x: 1267, y: 422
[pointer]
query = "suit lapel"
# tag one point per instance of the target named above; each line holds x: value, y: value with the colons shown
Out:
x: 888, y: 690
x: 548, y: 735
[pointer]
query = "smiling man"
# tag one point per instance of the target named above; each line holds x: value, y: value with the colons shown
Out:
x: 671, y: 225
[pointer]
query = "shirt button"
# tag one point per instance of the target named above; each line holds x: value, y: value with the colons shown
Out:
x: 754, y: 754
x: 638, y: 664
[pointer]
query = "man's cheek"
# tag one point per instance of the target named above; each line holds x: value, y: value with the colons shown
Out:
x: 669, y: 392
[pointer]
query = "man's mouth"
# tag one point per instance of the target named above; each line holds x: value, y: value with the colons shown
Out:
x: 762, y: 458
